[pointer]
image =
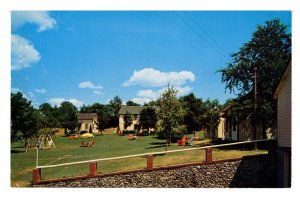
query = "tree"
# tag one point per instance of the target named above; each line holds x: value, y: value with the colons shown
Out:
x: 194, y: 112
x: 23, y: 119
x: 115, y: 104
x: 266, y: 55
x: 211, y: 116
x: 127, y: 119
x: 148, y: 118
x: 152, y: 103
x: 170, y: 114
x: 131, y: 103
x: 47, y: 115
x: 68, y: 116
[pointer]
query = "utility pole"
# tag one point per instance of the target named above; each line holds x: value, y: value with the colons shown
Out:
x: 254, y: 106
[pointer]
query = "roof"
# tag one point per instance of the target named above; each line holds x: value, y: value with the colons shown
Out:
x: 135, y: 110
x: 284, y: 76
x: 86, y: 116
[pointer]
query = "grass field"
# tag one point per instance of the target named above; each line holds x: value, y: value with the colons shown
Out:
x: 109, y: 145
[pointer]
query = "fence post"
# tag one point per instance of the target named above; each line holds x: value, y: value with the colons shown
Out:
x: 93, y: 168
x: 36, y: 175
x: 208, y: 155
x: 149, y: 162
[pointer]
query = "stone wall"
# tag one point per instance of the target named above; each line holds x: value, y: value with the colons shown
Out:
x: 253, y: 171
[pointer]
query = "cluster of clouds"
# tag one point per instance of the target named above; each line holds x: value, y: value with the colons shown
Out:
x: 23, y: 52
x: 155, y: 82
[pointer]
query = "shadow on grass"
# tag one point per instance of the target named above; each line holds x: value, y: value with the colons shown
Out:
x: 151, y: 147
x: 156, y: 145
x: 17, y: 151
x: 20, y: 146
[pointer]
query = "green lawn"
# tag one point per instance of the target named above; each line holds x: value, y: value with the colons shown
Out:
x: 105, y: 146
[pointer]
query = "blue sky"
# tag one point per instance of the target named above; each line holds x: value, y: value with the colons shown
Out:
x: 91, y: 56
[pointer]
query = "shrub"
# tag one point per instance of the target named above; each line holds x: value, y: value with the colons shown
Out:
x: 143, y: 133
x: 129, y: 132
x: 83, y: 132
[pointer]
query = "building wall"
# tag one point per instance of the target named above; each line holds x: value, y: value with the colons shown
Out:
x: 88, y: 123
x: 245, y: 130
x: 221, y: 129
x: 284, y: 114
x: 135, y: 119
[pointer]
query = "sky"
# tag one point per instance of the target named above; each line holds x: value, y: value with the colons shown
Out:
x: 91, y: 56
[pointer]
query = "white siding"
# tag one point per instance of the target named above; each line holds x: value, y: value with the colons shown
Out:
x: 284, y: 113
x: 221, y: 129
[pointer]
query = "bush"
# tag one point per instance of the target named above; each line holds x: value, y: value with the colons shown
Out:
x: 144, y: 132
x: 83, y: 132
x: 129, y: 132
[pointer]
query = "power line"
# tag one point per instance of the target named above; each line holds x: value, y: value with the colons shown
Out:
x: 200, y: 36
x: 207, y: 34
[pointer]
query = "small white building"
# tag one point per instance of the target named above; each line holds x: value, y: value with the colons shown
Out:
x: 135, y: 112
x: 87, y: 122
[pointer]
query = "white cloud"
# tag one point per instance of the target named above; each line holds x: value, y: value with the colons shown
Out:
x: 141, y: 101
x: 148, y: 77
x: 58, y: 101
x: 41, y: 18
x: 148, y: 94
x: 183, y: 90
x: 88, y: 84
x: 76, y: 102
x: 41, y: 91
x: 23, y: 53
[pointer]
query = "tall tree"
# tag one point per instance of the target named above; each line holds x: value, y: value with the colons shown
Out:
x: 265, y: 55
x: 68, y: 116
x: 148, y: 118
x: 49, y: 120
x: 152, y: 103
x: 170, y: 113
x: 131, y: 103
x: 127, y: 119
x: 211, y: 116
x: 23, y: 119
x: 116, y: 104
x: 195, y: 110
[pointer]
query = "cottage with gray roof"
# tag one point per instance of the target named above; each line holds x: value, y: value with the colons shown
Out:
x: 135, y: 111
x: 88, y: 122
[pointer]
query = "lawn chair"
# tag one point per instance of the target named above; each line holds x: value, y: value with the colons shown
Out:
x: 181, y: 142
x: 83, y: 143
x: 130, y: 136
x: 92, y: 143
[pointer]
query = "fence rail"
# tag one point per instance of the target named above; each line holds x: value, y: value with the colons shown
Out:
x: 93, y: 166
